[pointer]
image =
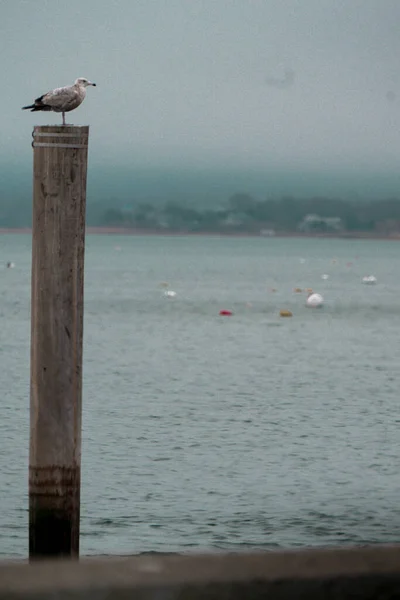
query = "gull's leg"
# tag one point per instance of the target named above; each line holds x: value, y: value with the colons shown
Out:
x: 63, y: 118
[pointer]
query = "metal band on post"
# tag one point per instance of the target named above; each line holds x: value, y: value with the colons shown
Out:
x: 44, y: 145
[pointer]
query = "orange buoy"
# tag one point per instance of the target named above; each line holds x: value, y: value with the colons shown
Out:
x: 225, y: 313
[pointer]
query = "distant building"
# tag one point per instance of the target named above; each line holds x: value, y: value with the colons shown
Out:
x: 236, y: 220
x: 316, y: 223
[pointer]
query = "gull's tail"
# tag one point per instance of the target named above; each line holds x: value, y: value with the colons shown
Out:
x: 37, y: 105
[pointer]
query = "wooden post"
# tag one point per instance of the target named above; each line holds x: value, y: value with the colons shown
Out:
x: 58, y: 243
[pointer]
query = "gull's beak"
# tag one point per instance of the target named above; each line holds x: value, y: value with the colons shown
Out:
x: 93, y: 84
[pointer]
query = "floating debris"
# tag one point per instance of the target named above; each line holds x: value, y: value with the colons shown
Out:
x: 314, y: 301
x: 369, y: 280
x: 225, y: 313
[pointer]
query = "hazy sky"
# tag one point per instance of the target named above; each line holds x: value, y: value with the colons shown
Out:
x: 237, y: 83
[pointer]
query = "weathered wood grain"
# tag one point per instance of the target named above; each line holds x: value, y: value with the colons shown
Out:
x: 58, y: 244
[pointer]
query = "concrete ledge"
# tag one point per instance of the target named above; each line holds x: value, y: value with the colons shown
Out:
x: 362, y: 573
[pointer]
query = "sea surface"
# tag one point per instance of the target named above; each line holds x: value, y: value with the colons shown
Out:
x: 210, y: 433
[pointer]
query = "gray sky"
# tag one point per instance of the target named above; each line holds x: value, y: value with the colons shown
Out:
x: 239, y: 83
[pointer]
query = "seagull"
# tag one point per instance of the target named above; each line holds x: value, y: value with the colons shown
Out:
x: 63, y: 99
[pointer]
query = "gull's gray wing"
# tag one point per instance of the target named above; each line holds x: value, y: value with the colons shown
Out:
x: 62, y: 99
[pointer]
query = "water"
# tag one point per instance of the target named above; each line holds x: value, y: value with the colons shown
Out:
x: 203, y: 432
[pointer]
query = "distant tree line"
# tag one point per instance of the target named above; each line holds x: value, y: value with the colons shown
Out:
x: 240, y: 214
x: 243, y: 213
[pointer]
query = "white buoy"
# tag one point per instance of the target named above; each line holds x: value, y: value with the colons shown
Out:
x: 324, y: 276
x: 170, y: 294
x: 369, y: 280
x: 314, y: 301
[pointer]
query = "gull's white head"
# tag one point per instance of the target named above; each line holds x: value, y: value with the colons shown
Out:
x: 82, y: 81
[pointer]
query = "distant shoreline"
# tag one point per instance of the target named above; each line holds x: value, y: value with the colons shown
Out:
x: 360, y: 235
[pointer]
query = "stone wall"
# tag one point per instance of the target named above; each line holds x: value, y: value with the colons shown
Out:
x: 361, y: 573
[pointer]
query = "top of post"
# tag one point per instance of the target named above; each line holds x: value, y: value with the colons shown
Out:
x: 77, y: 129
x: 60, y: 136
